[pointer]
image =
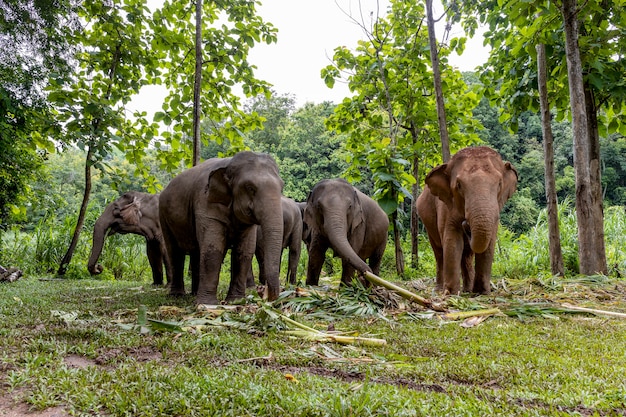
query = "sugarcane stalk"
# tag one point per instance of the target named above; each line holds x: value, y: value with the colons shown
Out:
x: 343, y: 340
x: 595, y: 311
x: 404, y: 293
x: 462, y: 315
x: 313, y: 334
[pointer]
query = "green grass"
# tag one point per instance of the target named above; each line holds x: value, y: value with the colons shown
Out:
x: 75, y: 343
x: 87, y: 363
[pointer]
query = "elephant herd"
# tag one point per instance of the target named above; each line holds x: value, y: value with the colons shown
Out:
x: 236, y: 203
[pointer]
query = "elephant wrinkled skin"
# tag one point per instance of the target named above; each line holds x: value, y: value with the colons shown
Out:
x: 133, y: 212
x: 460, y: 208
x: 215, y: 206
x: 340, y: 217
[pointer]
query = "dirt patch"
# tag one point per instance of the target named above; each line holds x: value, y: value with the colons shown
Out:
x: 23, y: 410
x: 10, y: 407
x: 352, y: 376
x: 77, y: 361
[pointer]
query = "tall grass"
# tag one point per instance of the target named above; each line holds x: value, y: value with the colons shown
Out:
x: 528, y: 254
x: 38, y: 252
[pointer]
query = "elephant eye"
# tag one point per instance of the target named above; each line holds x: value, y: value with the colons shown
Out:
x: 458, y: 185
x: 250, y: 189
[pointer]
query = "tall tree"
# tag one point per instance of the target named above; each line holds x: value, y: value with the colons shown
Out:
x: 556, y: 255
x: 197, y: 85
x: 434, y: 59
x: 600, y: 27
x: 112, y: 58
x: 229, y: 28
x: 389, y: 120
x: 34, y: 45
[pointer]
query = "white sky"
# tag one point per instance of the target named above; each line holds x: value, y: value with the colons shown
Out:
x: 308, y: 32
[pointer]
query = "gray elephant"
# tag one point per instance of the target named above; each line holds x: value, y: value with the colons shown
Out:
x: 133, y: 212
x: 340, y: 217
x: 292, y: 239
x: 215, y: 206
x: 460, y: 208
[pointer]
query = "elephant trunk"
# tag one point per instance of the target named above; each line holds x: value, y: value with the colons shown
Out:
x: 99, y: 233
x: 271, y: 224
x: 337, y: 231
x: 482, y: 227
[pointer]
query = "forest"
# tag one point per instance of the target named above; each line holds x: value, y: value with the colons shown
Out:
x: 546, y: 338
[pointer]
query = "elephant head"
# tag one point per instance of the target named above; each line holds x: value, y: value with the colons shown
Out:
x: 474, y: 185
x: 340, y: 217
x: 133, y: 212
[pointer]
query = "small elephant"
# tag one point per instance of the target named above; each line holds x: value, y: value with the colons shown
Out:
x: 133, y: 212
x: 292, y: 239
x: 460, y: 208
x: 340, y: 217
x: 215, y: 206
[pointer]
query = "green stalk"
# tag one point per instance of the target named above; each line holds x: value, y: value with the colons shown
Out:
x: 374, y: 279
x: 461, y: 315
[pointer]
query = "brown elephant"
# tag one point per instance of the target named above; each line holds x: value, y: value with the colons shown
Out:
x: 340, y: 217
x: 460, y: 208
x: 133, y: 212
x: 215, y: 206
x: 292, y: 239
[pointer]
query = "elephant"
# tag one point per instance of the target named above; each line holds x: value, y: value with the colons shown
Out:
x: 460, y: 207
x: 292, y: 239
x: 340, y: 217
x: 133, y: 212
x: 215, y: 206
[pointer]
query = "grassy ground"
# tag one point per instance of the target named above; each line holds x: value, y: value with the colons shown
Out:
x: 79, y: 347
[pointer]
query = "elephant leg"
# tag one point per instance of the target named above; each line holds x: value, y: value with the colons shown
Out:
x: 177, y: 262
x: 467, y: 268
x: 250, y: 279
x: 452, y: 255
x: 241, y: 263
x: 484, y: 262
x: 155, y: 257
x: 208, y: 276
x: 317, y: 255
x: 347, y: 273
x: 294, y: 258
x: 376, y: 259
x: 438, y: 252
x: 194, y: 271
x: 260, y: 258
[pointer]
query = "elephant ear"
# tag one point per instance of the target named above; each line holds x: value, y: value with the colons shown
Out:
x: 218, y: 184
x: 358, y: 217
x: 509, y: 183
x: 131, y: 213
x: 438, y: 181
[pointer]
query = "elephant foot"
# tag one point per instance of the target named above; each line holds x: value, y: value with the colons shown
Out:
x: 271, y: 293
x: 207, y: 300
x: 234, y: 298
x: 177, y: 292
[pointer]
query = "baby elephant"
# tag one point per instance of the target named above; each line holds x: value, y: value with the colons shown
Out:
x: 134, y: 212
x: 340, y: 217
x: 460, y: 208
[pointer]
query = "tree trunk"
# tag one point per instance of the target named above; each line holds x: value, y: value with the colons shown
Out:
x: 398, y: 244
x: 556, y: 254
x: 414, y: 216
x: 595, y: 174
x: 81, y: 217
x: 441, y: 108
x: 197, y: 85
x: 590, y: 258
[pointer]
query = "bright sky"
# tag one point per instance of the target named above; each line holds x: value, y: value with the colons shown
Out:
x: 308, y: 32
